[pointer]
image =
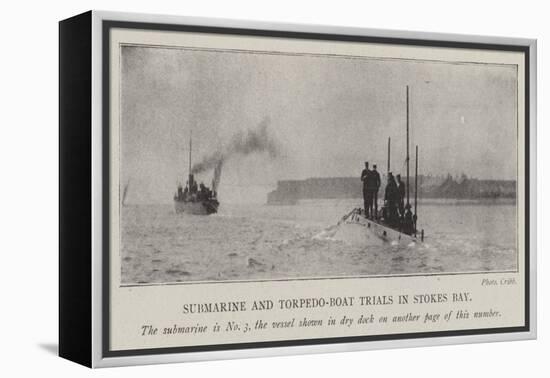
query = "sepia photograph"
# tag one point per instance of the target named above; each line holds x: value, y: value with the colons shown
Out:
x: 265, y: 165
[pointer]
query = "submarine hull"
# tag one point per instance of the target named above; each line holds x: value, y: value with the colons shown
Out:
x: 357, y: 219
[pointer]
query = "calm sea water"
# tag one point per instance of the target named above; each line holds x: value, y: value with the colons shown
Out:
x: 244, y: 242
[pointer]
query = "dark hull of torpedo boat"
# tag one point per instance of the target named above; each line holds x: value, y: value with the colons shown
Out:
x: 356, y: 218
x: 205, y: 207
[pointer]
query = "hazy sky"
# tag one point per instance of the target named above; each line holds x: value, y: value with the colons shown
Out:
x: 329, y: 115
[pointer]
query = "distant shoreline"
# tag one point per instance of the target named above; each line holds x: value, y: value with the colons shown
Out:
x: 429, y: 187
x: 425, y: 201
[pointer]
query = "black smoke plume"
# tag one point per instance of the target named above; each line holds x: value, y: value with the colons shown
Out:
x: 257, y: 140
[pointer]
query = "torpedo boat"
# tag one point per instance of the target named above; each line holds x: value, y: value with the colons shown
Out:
x: 195, y: 199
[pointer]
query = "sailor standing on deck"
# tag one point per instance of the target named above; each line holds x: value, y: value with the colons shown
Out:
x: 391, y: 196
x: 376, y: 186
x: 408, y: 221
x: 365, y: 178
